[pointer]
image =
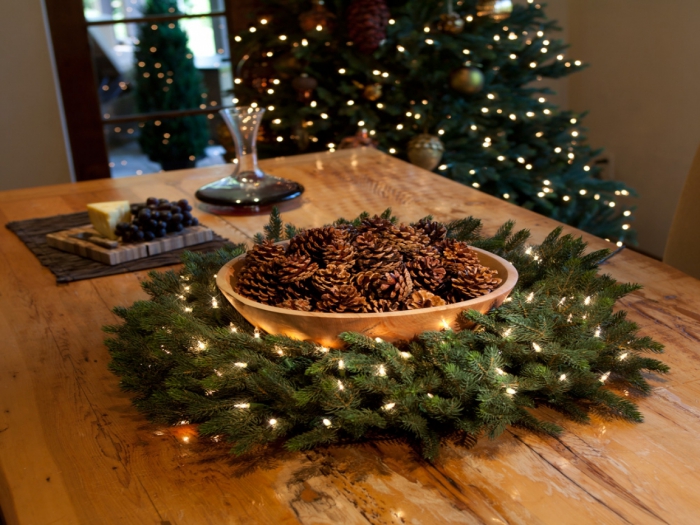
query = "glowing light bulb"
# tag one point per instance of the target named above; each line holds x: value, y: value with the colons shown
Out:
x: 500, y: 372
x: 381, y: 371
x: 389, y: 406
x: 604, y: 377
x: 240, y: 365
x: 327, y: 422
x: 623, y: 356
x: 530, y: 297
x: 405, y: 355
x: 562, y: 377
x: 537, y: 348
x: 511, y: 391
x: 340, y: 385
x: 272, y: 422
x: 242, y: 405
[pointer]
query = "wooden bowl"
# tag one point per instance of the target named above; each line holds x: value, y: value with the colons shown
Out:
x: 324, y: 328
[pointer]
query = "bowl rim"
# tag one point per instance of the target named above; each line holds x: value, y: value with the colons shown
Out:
x: 223, y: 283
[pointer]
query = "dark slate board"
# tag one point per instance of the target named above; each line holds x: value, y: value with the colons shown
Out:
x: 68, y: 267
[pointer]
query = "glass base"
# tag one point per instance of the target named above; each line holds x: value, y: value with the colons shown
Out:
x: 232, y: 191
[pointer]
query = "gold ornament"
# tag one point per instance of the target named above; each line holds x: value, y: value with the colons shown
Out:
x: 425, y: 151
x: 496, y: 9
x: 467, y: 80
x: 318, y: 19
x: 372, y: 92
x: 451, y: 23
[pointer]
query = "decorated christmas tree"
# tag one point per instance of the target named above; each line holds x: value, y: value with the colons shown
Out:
x: 452, y: 88
x: 167, y: 80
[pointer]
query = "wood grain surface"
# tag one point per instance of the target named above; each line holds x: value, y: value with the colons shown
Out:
x: 73, y: 450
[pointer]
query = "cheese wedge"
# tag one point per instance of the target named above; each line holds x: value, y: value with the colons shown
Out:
x: 105, y: 216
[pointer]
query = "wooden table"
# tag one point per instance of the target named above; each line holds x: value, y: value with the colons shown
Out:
x: 74, y: 450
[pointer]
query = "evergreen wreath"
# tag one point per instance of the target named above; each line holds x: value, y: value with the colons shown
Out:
x: 187, y: 355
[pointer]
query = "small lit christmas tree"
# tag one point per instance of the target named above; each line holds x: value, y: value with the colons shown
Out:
x: 451, y: 89
x: 167, y: 80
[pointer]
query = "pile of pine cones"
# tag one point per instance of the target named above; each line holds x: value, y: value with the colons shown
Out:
x: 376, y: 267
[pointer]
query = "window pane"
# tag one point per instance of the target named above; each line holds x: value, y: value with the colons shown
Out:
x: 100, y: 10
x: 139, y: 148
x: 166, y: 66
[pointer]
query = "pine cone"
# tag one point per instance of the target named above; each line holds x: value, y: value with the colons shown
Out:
x: 312, y: 242
x: 395, y: 286
x: 295, y: 268
x: 424, y: 251
x: 295, y: 304
x: 339, y: 252
x: 433, y: 229
x: 407, y: 239
x: 366, y: 282
x: 264, y: 253
x: 479, y: 281
x: 376, y: 254
x: 341, y: 299
x: 423, y: 299
x: 367, y: 20
x: 427, y: 272
x: 377, y: 225
x: 457, y: 256
x: 259, y: 283
x: 331, y: 276
x: 381, y: 305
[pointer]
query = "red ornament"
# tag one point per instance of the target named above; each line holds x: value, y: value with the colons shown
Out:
x: 367, y: 21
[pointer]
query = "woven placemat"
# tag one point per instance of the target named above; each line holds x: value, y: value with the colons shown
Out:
x: 69, y: 267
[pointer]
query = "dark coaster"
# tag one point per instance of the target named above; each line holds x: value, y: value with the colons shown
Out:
x: 68, y: 267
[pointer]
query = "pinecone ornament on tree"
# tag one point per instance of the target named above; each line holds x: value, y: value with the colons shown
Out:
x: 367, y: 21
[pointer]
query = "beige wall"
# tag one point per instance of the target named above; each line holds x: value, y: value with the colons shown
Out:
x: 32, y: 140
x: 643, y: 93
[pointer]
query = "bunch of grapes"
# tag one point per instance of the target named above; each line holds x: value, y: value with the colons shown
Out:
x: 156, y: 218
